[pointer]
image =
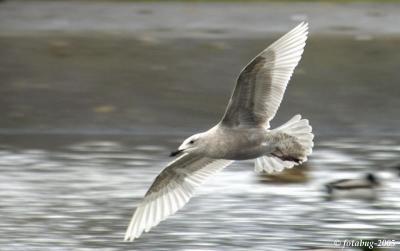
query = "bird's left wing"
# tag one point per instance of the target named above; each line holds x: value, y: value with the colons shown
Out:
x: 171, y: 190
x: 261, y: 84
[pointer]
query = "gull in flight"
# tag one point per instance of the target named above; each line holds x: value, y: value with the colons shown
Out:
x: 243, y: 133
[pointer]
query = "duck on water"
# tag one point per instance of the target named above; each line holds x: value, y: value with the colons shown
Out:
x: 360, y: 188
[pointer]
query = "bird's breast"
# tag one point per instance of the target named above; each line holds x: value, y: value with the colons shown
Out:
x: 237, y: 144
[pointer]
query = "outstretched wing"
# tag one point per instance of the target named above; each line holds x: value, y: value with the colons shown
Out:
x: 261, y: 84
x: 171, y: 190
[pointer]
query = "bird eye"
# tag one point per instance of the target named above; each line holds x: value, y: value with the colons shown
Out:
x: 191, y: 142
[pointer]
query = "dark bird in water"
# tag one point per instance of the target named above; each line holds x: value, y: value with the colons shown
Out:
x: 363, y: 188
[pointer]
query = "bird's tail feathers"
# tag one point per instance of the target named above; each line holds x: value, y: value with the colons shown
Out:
x: 301, y: 130
x: 295, y: 144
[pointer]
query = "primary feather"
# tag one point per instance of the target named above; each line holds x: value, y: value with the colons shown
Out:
x: 171, y: 190
x: 261, y: 84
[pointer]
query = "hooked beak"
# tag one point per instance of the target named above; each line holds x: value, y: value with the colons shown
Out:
x: 175, y: 153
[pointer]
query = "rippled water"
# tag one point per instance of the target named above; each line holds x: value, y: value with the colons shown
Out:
x: 87, y: 123
x: 81, y: 194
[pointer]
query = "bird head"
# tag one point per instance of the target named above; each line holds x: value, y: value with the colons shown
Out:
x: 189, y: 145
x: 372, y: 179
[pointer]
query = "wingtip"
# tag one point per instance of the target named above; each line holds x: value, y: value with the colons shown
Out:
x: 302, y: 26
x: 128, y: 237
x: 306, y: 25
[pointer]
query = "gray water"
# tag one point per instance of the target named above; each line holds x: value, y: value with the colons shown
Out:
x: 88, y: 122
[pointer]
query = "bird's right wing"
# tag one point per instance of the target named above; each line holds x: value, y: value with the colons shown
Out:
x: 171, y: 190
x: 261, y: 84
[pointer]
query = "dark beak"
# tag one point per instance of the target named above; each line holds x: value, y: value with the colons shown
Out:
x: 175, y: 153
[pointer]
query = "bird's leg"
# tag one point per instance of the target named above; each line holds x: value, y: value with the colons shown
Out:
x: 279, y: 154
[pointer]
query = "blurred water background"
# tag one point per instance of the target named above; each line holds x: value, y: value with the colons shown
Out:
x: 93, y: 97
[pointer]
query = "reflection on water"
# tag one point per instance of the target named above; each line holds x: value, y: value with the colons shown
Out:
x: 81, y: 194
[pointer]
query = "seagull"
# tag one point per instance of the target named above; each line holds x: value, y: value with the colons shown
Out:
x: 243, y: 133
